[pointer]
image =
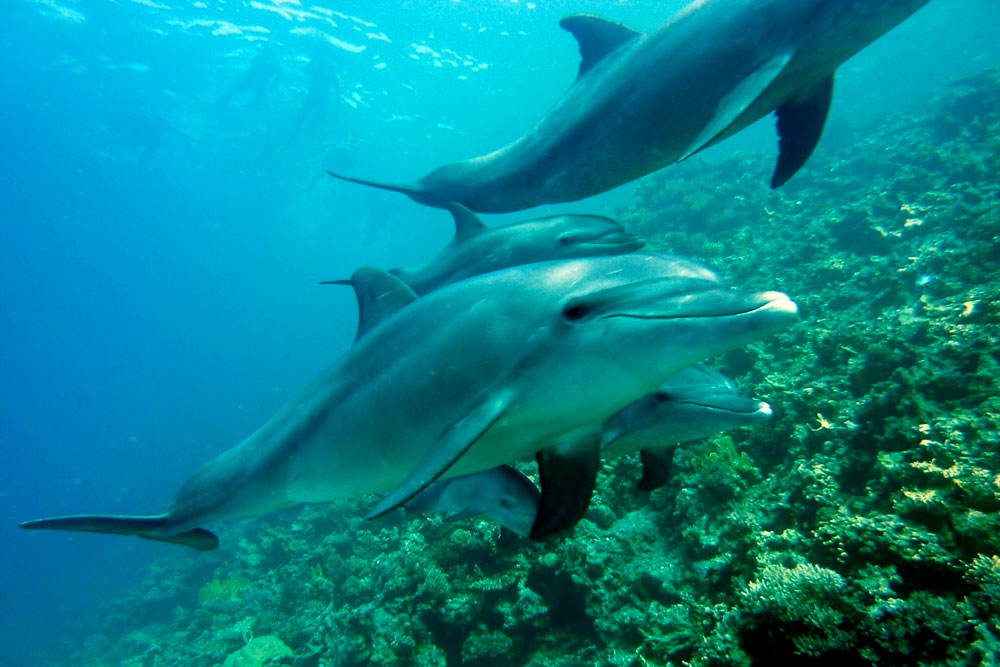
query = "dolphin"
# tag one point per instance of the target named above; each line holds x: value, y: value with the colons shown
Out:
x: 525, y: 361
x: 695, y: 403
x: 643, y: 101
x: 477, y: 249
x: 375, y: 297
x: 501, y: 494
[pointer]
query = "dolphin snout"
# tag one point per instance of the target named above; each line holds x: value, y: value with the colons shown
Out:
x: 779, y: 303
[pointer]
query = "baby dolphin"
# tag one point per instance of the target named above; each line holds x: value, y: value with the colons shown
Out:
x: 528, y: 360
x: 478, y: 249
x: 641, y: 102
x: 501, y: 494
x: 695, y: 403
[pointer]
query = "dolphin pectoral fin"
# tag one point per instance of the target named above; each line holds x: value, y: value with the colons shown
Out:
x: 379, y: 293
x: 453, y: 443
x: 146, y: 527
x: 596, y: 38
x: 800, y: 125
x: 467, y: 223
x: 656, y: 465
x: 736, y: 101
x: 568, y: 478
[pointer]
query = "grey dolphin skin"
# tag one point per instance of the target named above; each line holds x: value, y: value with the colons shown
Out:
x: 695, y: 403
x: 526, y: 361
x: 643, y: 101
x: 501, y: 494
x: 478, y: 249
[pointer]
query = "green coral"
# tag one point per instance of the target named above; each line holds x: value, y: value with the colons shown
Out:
x: 259, y: 652
x: 222, y: 589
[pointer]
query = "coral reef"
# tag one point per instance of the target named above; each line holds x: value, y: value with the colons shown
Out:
x: 861, y: 526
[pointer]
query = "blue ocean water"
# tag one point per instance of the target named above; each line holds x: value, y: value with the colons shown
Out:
x: 162, y: 241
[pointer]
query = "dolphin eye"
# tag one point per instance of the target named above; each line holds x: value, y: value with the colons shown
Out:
x: 574, y: 312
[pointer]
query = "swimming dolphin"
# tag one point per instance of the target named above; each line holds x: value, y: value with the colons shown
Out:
x: 641, y: 102
x: 477, y: 249
x: 376, y: 297
x: 695, y: 403
x: 501, y: 494
x: 528, y: 360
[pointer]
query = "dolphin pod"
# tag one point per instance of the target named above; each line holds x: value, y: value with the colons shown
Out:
x: 548, y: 337
x: 530, y: 360
x: 692, y: 404
x: 643, y: 101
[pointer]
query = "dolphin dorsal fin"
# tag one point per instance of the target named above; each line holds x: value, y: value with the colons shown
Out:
x: 379, y: 295
x: 467, y: 223
x: 596, y: 37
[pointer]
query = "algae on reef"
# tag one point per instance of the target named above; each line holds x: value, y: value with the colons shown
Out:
x: 861, y: 526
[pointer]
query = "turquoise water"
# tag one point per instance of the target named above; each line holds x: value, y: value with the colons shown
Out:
x: 165, y: 224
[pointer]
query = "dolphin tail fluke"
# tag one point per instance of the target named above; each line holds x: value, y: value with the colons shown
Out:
x: 147, y: 527
x: 414, y: 192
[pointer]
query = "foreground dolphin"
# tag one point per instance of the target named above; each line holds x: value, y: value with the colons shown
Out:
x: 478, y: 249
x: 526, y: 360
x: 501, y: 494
x: 695, y: 403
x: 641, y: 102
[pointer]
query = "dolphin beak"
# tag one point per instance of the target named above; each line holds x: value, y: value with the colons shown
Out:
x: 705, y: 303
x: 778, y: 303
x: 622, y: 240
x: 735, y: 405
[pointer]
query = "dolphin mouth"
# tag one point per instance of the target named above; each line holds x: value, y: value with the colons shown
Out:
x: 523, y: 526
x: 516, y: 522
x: 628, y: 245
x: 617, y: 239
x: 755, y: 409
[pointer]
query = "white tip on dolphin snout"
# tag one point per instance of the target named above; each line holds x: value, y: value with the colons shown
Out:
x: 764, y: 410
x: 778, y: 302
